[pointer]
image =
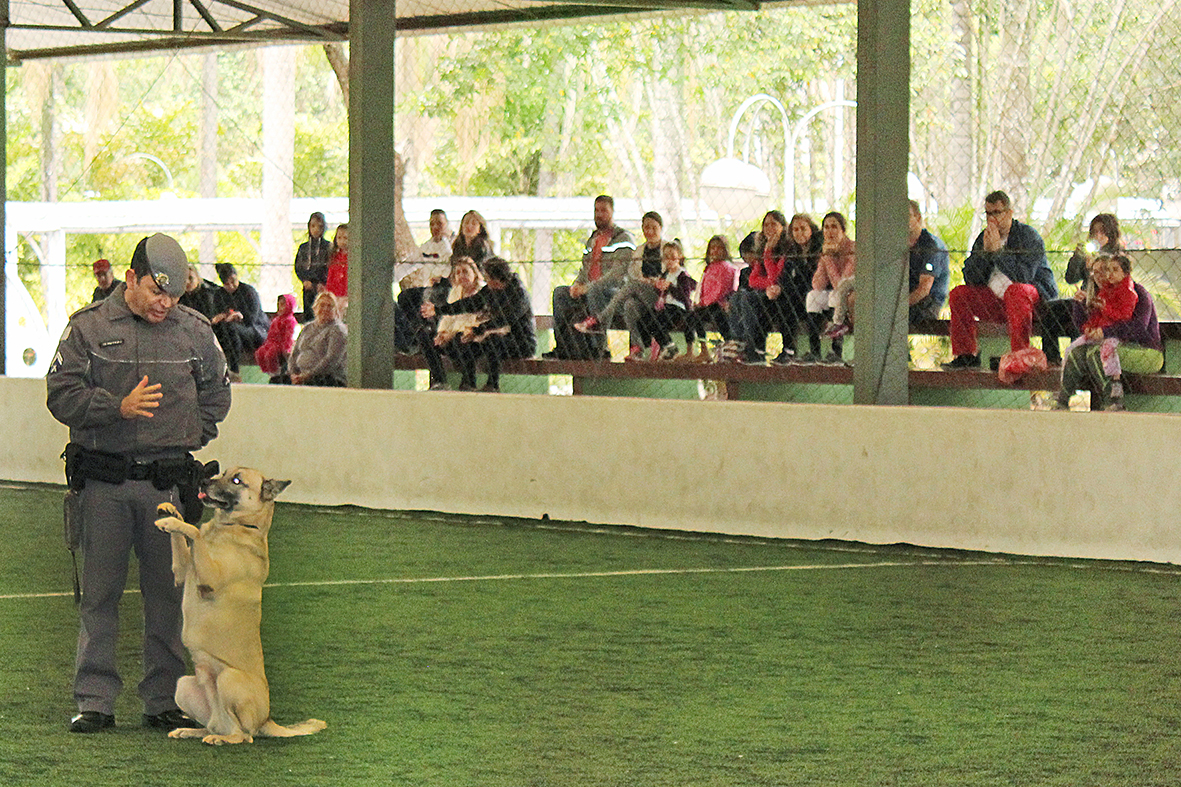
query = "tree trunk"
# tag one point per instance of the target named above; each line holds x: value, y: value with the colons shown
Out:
x: 959, y: 169
x: 404, y: 245
x: 50, y: 149
x: 278, y: 144
x: 207, y: 187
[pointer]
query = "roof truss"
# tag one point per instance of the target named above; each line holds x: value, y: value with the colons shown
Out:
x: 40, y: 29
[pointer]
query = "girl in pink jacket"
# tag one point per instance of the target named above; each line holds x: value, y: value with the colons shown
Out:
x: 718, y: 283
x: 280, y: 337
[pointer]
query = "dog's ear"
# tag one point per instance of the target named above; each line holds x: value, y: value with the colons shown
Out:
x: 210, y: 470
x: 271, y: 487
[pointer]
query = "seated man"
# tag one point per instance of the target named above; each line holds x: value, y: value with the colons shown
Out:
x: 605, y: 260
x: 418, y: 273
x: 929, y: 269
x: 240, y: 322
x: 106, y: 280
x: 1005, y: 277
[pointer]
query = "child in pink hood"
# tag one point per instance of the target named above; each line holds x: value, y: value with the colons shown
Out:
x: 280, y: 337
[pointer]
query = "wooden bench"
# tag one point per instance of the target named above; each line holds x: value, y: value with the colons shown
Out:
x: 734, y: 375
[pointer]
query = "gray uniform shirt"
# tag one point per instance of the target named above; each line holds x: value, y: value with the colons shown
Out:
x: 104, y: 353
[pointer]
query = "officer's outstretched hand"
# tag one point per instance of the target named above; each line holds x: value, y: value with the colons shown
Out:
x: 141, y: 401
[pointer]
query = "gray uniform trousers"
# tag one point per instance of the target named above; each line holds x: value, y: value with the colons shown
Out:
x: 117, y: 518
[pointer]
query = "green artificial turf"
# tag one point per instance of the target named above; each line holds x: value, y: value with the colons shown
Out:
x: 464, y: 651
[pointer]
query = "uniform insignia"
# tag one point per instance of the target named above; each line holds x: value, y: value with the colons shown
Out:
x: 112, y: 343
x: 161, y: 279
x: 56, y: 363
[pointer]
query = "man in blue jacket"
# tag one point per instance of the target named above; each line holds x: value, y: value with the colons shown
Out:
x: 1005, y: 277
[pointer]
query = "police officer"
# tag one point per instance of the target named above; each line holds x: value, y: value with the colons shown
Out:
x: 141, y: 382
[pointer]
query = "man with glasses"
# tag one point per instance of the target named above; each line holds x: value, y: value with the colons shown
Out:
x: 1005, y: 277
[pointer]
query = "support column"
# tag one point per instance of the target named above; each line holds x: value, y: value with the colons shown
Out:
x: 4, y: 203
x: 371, y: 193
x: 883, y: 148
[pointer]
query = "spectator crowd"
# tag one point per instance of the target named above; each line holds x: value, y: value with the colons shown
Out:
x: 458, y: 300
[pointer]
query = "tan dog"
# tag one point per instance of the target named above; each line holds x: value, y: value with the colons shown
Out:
x: 222, y: 567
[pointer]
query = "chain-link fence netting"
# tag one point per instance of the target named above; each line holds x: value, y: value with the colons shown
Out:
x: 738, y: 145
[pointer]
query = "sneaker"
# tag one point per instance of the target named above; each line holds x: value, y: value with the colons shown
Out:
x: 784, y: 358
x: 963, y: 362
x: 491, y: 388
x: 836, y: 330
x: 466, y: 387
x: 809, y: 358
x: 1115, y: 405
x: 589, y: 325
x: 833, y: 359
x: 636, y: 354
x: 667, y: 352
x: 1060, y: 404
x: 731, y: 351
x: 440, y: 386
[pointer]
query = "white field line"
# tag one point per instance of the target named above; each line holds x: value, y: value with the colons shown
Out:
x: 587, y: 575
x: 672, y: 571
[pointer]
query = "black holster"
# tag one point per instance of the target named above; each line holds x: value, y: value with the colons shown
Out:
x: 185, y: 473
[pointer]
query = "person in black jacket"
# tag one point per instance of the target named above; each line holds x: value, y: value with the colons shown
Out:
x: 311, y: 262
x: 240, y: 322
x: 505, y: 330
x: 199, y: 293
x: 1063, y: 316
x: 795, y: 281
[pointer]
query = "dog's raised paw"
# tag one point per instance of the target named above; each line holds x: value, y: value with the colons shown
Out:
x: 167, y: 509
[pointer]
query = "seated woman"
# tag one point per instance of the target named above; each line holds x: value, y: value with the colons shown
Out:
x: 272, y: 356
x: 833, y: 282
x: 676, y: 293
x: 472, y: 241
x: 803, y: 256
x: 753, y: 311
x: 1111, y: 348
x: 198, y: 293
x: 240, y: 323
x: 319, y: 356
x: 643, y: 272
x: 505, y: 329
x: 444, y: 323
x: 718, y: 283
x: 1062, y: 317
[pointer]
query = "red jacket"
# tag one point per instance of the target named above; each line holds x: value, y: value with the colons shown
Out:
x: 280, y: 338
x: 1116, y: 304
x: 765, y: 272
x: 338, y: 275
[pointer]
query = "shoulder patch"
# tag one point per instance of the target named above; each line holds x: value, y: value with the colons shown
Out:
x: 89, y: 307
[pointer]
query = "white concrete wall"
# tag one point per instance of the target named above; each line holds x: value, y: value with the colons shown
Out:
x: 1075, y: 484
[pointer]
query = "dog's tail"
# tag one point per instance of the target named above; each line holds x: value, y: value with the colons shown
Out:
x: 272, y: 730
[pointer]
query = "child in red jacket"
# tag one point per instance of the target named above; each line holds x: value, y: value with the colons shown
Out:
x: 280, y: 337
x: 1113, y: 302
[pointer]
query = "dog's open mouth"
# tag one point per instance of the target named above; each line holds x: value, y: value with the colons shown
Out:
x: 213, y: 496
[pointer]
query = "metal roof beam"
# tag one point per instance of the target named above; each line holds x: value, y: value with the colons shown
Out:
x: 311, y: 30
x: 106, y: 23
x: 77, y: 12
x: 208, y: 17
